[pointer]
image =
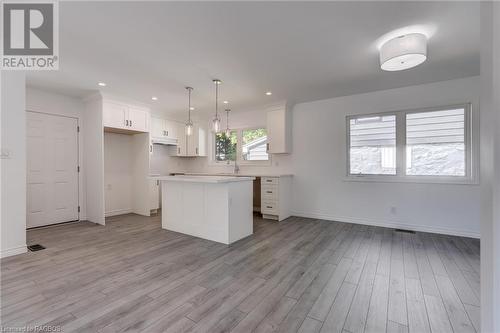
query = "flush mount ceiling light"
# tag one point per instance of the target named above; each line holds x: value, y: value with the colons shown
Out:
x: 216, y: 120
x: 101, y: 84
x: 191, y: 108
x: 269, y: 93
x: 225, y: 102
x: 189, y: 124
x: 403, y: 52
x: 154, y: 98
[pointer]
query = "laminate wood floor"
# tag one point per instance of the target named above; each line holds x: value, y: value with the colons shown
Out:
x: 299, y: 275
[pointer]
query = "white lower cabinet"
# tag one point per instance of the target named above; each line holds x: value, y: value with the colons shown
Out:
x: 275, y: 197
x: 154, y: 195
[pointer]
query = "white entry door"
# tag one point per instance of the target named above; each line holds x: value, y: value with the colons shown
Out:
x: 52, y: 169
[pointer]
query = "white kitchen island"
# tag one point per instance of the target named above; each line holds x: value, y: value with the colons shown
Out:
x: 217, y: 208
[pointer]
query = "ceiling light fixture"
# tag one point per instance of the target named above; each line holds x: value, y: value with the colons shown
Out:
x: 154, y: 98
x: 191, y: 108
x: 403, y: 52
x: 189, y: 124
x: 228, y: 131
x: 216, y: 120
x: 226, y: 102
x: 269, y: 93
x: 102, y: 84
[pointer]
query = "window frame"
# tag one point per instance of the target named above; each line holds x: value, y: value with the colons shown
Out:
x: 239, y: 150
x: 471, y: 157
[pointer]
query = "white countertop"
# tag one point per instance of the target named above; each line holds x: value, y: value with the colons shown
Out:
x: 243, y: 174
x: 204, y: 179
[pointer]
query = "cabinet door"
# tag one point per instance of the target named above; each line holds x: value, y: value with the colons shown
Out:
x: 193, y: 142
x: 278, y: 131
x: 202, y: 142
x: 172, y: 128
x: 115, y: 115
x: 157, y: 127
x: 154, y: 194
x: 181, y: 141
x: 138, y: 119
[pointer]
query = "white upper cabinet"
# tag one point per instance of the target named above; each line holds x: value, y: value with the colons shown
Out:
x: 197, y: 142
x: 138, y: 119
x: 125, y: 117
x: 115, y: 115
x: 165, y: 131
x: 279, y: 130
x: 194, y: 145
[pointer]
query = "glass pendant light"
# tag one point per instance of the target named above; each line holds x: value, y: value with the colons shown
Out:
x: 216, y: 120
x: 228, y: 131
x: 189, y: 124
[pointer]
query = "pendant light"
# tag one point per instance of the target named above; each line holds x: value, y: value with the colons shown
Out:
x: 216, y: 120
x: 189, y: 124
x: 228, y: 131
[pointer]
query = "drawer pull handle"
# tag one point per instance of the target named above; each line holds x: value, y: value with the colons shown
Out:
x: 269, y: 191
x: 269, y: 207
x: 268, y: 180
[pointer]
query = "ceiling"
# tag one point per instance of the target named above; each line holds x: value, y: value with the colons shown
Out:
x: 301, y: 51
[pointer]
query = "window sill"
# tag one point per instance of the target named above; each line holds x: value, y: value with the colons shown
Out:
x: 423, y: 180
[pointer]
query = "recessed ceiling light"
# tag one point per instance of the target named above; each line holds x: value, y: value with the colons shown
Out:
x: 191, y: 108
x: 154, y: 98
x: 102, y: 84
x: 226, y: 102
x: 269, y: 93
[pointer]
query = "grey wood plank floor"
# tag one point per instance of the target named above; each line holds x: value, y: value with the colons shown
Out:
x: 299, y: 275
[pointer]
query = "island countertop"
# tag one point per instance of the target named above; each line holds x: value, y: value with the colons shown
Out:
x: 203, y: 179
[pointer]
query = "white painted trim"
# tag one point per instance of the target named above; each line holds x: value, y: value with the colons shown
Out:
x: 13, y: 251
x: 389, y: 224
x: 118, y: 212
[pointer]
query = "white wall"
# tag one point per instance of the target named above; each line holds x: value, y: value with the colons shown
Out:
x: 118, y: 160
x: 48, y: 102
x: 318, y: 163
x: 13, y: 167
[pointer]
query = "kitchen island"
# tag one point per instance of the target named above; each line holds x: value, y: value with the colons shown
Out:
x: 217, y: 208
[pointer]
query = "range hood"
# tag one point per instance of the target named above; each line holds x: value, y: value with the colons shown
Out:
x: 164, y: 141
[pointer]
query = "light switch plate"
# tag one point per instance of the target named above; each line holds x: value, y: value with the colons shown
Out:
x: 6, y: 154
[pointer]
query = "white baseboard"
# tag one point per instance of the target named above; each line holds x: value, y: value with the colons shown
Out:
x: 118, y: 212
x: 13, y: 251
x: 390, y: 224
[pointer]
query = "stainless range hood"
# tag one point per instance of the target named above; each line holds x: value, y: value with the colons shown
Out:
x: 164, y: 141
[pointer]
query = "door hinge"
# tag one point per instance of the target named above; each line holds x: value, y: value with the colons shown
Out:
x: 78, y: 168
x: 78, y: 209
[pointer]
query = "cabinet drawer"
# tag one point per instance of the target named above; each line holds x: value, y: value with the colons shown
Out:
x: 269, y: 181
x: 269, y: 207
x: 269, y: 192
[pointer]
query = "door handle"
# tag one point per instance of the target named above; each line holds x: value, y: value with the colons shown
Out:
x: 150, y: 148
x: 196, y: 150
x: 166, y: 133
x: 126, y: 122
x: 179, y: 151
x: 130, y: 123
x: 267, y: 147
